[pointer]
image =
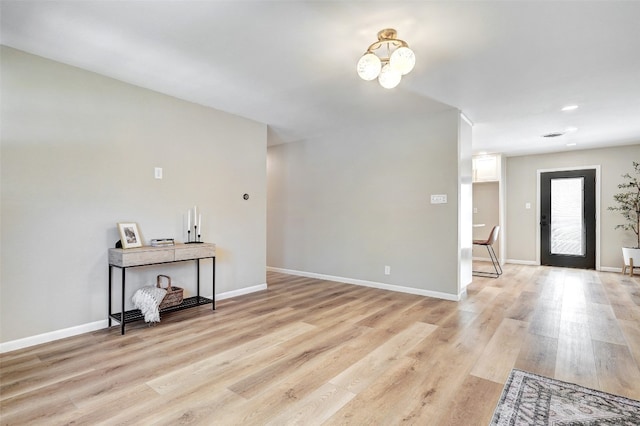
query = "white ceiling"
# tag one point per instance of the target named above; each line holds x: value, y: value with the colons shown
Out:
x: 509, y: 66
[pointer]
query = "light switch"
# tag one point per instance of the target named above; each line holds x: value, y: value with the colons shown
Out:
x: 158, y: 172
x: 527, y: 206
x: 438, y: 198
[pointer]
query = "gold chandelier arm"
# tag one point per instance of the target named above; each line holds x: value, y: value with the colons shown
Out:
x: 378, y: 44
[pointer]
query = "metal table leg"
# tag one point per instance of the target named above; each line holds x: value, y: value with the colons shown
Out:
x: 122, y: 305
x: 109, y: 316
x: 213, y: 283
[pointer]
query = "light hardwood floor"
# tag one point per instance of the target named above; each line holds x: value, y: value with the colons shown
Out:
x: 308, y: 351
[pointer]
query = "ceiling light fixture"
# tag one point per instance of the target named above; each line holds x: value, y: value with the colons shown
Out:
x: 570, y: 108
x: 553, y: 135
x: 389, y: 69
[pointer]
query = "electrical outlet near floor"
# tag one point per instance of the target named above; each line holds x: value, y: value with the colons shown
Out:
x: 387, y: 270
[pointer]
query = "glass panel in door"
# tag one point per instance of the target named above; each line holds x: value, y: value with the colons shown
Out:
x: 567, y: 236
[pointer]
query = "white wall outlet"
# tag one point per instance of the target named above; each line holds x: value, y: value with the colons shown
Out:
x: 527, y: 206
x: 438, y: 198
x: 157, y: 172
x: 475, y: 210
x: 387, y: 270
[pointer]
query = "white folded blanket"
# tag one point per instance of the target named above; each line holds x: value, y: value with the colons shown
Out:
x: 147, y: 299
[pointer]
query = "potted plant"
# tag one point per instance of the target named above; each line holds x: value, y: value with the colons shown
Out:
x: 628, y: 205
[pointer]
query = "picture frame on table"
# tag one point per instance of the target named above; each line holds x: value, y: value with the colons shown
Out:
x: 129, y: 235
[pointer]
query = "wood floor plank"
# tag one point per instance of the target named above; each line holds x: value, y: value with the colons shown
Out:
x: 538, y: 355
x: 575, y: 360
x: 34, y: 407
x: 33, y: 383
x: 603, y: 324
x: 196, y: 371
x: 574, y: 302
x: 352, y: 311
x: 286, y: 390
x: 631, y: 331
x: 309, y: 351
x: 595, y: 292
x: 18, y: 365
x: 480, y: 300
x: 301, y: 353
x: 524, y: 307
x: 91, y: 412
x: 467, y: 405
x: 546, y: 320
x: 316, y: 408
x: 386, y: 316
x: 388, y: 407
x: 360, y: 374
x: 617, y: 371
x: 499, y: 356
x: 438, y: 311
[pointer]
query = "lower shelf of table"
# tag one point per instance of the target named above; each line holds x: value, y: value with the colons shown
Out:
x: 136, y: 315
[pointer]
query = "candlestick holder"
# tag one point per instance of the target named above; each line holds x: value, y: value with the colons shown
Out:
x: 196, y: 236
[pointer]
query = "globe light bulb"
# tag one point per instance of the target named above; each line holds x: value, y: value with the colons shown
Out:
x: 389, y: 77
x: 369, y: 66
x: 403, y: 60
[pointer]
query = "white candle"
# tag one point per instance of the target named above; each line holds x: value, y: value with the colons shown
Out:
x: 188, y: 219
x: 200, y: 224
x: 195, y: 216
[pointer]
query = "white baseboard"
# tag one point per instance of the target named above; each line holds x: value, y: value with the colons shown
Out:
x: 98, y: 325
x: 52, y: 335
x: 240, y: 292
x: 522, y: 262
x: 534, y: 263
x: 610, y: 269
x: 373, y: 284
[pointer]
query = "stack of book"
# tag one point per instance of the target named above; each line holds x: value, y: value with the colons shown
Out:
x: 162, y: 242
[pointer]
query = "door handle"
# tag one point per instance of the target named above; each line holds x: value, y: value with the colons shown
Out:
x: 543, y: 224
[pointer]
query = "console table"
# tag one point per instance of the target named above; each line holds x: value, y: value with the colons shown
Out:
x: 147, y: 256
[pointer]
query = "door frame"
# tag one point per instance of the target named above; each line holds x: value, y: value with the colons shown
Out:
x: 538, y: 196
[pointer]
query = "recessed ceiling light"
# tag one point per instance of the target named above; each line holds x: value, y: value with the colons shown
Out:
x: 572, y: 144
x: 570, y: 107
x: 553, y: 135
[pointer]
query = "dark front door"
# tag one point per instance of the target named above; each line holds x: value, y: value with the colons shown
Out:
x: 568, y: 218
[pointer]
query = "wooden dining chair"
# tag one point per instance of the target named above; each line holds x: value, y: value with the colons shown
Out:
x: 488, y: 243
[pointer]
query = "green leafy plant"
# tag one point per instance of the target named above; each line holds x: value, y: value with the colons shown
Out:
x: 628, y: 202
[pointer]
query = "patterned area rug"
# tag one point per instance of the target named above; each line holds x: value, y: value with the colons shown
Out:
x: 529, y: 399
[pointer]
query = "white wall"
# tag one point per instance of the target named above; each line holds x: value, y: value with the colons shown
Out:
x: 465, y: 203
x: 522, y: 186
x: 486, y: 199
x: 351, y: 202
x: 78, y: 154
